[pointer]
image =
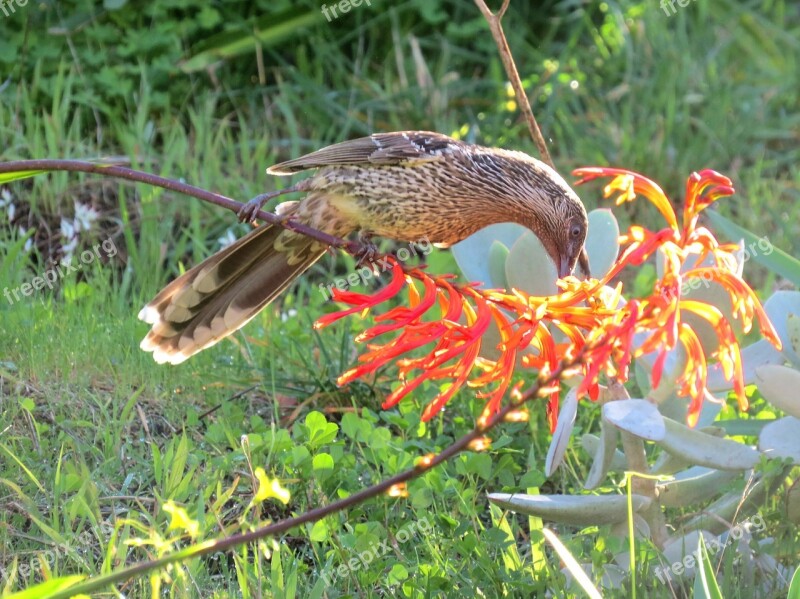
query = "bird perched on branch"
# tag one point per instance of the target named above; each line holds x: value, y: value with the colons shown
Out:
x: 407, y: 186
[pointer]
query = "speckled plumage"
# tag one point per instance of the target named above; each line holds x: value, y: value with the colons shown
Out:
x: 406, y: 185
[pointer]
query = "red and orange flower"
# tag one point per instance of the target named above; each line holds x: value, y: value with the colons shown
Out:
x: 448, y: 321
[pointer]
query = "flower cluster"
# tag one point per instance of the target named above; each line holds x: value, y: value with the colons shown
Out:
x: 437, y: 335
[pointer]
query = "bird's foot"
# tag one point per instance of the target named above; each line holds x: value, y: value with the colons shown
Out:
x: 368, y: 251
x: 247, y: 213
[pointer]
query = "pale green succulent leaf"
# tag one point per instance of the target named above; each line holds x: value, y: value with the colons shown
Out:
x: 677, y: 407
x: 695, y: 485
x: 472, y: 254
x: 793, y: 329
x: 575, y: 510
x: 780, y: 385
x: 605, y: 455
x: 561, y: 436
x: 781, y: 439
x: 779, y: 307
x: 498, y: 255
x: 602, y: 241
x: 529, y: 268
x: 636, y: 416
x: 703, y: 449
x: 677, y: 549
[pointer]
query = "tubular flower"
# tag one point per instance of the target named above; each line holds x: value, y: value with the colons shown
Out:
x: 684, y: 245
x: 437, y: 334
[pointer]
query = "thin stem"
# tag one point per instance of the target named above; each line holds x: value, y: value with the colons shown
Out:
x: 121, y: 172
x: 513, y: 75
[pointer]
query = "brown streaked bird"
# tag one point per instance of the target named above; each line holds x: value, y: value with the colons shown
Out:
x: 407, y: 185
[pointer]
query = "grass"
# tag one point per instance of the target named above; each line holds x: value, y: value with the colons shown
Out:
x: 96, y: 438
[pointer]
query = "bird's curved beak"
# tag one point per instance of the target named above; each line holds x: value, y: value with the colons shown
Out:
x: 564, y: 268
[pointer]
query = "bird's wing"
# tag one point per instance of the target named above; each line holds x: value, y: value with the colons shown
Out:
x: 377, y: 149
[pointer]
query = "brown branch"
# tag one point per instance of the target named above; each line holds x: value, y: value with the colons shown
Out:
x: 513, y: 75
x: 122, y: 172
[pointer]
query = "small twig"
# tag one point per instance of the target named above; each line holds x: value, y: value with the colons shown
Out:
x: 513, y: 75
x: 231, y: 398
x: 122, y: 172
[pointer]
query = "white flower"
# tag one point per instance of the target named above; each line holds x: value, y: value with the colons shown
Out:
x: 68, y: 249
x: 85, y: 215
x: 226, y: 239
x: 291, y: 313
x: 69, y: 230
x: 7, y: 202
x: 28, y: 242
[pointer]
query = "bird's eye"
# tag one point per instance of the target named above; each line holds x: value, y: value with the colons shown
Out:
x: 575, y: 231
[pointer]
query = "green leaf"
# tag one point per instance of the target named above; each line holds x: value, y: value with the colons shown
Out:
x: 319, y: 532
x: 397, y: 574
x: 320, y: 431
x: 322, y: 461
x: 771, y: 257
x: 708, y: 584
x: 45, y: 589
x: 794, y: 587
x: 17, y: 175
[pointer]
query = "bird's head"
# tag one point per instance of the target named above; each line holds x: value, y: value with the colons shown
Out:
x: 569, y: 234
x: 558, y: 218
x: 538, y: 198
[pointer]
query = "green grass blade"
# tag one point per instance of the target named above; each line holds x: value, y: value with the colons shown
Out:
x: 16, y: 176
x: 267, y: 30
x: 47, y: 589
x: 708, y: 583
x: 572, y: 564
x: 794, y: 587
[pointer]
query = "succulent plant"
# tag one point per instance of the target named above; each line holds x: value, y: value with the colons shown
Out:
x: 701, y: 462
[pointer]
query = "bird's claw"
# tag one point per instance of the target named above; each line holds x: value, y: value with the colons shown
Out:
x: 368, y: 251
x: 247, y: 213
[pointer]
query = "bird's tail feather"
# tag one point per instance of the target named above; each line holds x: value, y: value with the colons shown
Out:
x: 223, y: 293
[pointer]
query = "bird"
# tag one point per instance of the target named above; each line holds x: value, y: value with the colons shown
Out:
x: 404, y: 185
